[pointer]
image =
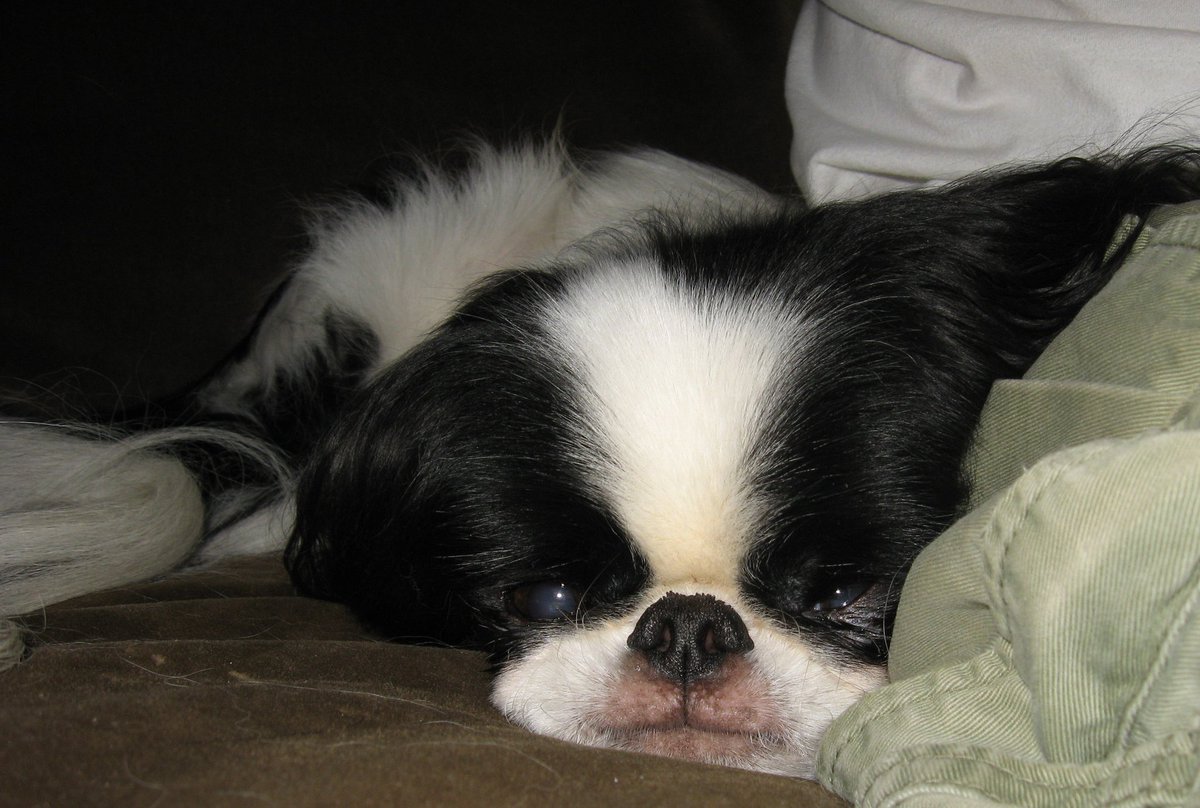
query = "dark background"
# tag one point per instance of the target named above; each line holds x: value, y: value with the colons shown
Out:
x: 158, y: 155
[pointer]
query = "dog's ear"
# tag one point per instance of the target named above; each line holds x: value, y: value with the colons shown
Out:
x: 367, y: 530
x: 1007, y: 257
x: 1042, y: 241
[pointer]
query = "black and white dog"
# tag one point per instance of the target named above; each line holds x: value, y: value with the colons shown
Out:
x: 667, y: 460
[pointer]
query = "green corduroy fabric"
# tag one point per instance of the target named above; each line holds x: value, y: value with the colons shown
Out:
x: 1047, y: 647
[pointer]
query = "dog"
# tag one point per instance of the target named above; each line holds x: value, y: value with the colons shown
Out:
x: 661, y: 443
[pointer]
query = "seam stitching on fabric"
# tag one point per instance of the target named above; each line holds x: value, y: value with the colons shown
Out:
x: 897, y: 704
x: 999, y: 765
x: 1007, y: 534
x: 1190, y: 607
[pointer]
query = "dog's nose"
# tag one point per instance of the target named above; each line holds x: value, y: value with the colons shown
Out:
x: 686, y: 637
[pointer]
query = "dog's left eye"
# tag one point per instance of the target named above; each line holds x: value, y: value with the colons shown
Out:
x: 841, y: 596
x: 544, y: 601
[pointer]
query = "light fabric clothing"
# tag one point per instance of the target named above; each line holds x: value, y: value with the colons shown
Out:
x: 897, y: 93
x: 1047, y: 647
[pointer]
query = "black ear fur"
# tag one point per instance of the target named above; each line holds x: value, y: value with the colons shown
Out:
x: 370, y: 528
x: 988, y: 269
x: 1016, y: 254
x: 445, y: 470
x: 1042, y: 238
x: 1023, y: 248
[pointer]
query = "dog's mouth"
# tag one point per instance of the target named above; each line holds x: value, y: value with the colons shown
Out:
x: 729, y: 719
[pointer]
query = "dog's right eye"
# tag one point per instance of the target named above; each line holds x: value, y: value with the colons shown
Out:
x: 544, y: 601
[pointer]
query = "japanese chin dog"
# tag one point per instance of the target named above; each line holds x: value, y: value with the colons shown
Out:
x: 661, y: 443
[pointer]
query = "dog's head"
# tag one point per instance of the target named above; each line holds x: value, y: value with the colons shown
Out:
x: 672, y: 486
x: 664, y: 487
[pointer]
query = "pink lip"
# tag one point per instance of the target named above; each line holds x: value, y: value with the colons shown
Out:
x: 693, y: 743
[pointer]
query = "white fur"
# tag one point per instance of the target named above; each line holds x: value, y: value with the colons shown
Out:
x: 401, y: 269
x: 676, y: 384
x: 264, y: 531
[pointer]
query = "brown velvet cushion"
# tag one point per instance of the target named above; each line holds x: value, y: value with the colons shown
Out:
x: 225, y: 688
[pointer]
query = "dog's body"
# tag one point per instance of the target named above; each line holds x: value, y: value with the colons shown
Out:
x: 667, y: 463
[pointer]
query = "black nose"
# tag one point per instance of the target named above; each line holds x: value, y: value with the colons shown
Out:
x: 687, y: 637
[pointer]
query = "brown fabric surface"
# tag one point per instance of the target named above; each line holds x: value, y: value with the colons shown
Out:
x: 224, y: 688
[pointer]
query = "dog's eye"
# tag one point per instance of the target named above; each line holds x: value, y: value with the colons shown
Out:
x: 544, y: 601
x: 842, y: 595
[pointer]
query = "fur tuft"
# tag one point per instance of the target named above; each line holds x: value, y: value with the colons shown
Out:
x: 86, y: 509
x: 82, y: 514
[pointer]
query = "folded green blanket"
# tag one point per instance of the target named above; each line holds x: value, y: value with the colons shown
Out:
x: 1047, y: 647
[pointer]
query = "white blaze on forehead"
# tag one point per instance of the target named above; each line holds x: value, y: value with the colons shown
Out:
x: 676, y: 383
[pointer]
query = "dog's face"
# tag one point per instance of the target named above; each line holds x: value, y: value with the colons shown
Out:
x: 668, y: 628
x: 662, y: 487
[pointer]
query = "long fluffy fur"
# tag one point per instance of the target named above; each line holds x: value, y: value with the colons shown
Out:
x: 84, y: 508
x: 82, y: 514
